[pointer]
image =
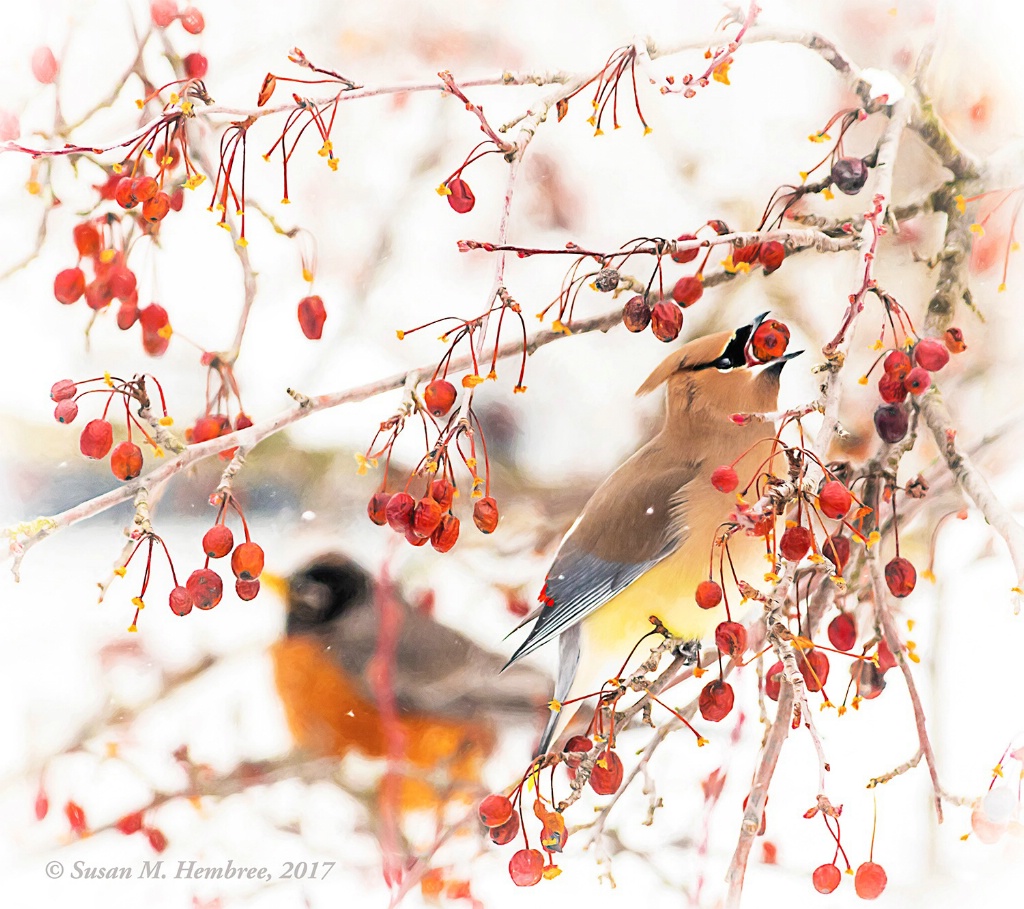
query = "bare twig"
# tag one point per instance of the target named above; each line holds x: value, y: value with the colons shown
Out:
x: 887, y: 625
x: 974, y: 484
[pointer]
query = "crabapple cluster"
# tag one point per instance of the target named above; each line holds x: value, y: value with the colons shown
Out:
x: 102, y: 249
x: 504, y: 818
x: 431, y: 517
x: 908, y: 372
x: 97, y: 437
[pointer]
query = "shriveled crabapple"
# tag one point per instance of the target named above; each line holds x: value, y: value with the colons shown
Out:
x: 155, y: 209
x: 892, y: 388
x: 575, y: 745
x: 708, y: 594
x: 426, y: 517
x: 460, y: 197
x: 868, y: 679
x: 442, y: 492
x: 69, y: 285
x: 769, y: 341
x: 897, y: 363
x: 485, y: 514
x: 439, y: 396
x: 44, y: 65
x: 247, y: 590
x: 97, y: 294
x: 901, y: 577
x: 795, y: 543
x: 87, y: 239
x: 869, y: 881
x: 666, y: 320
x: 716, y: 700
x: 205, y: 428
x: 842, y: 632
x: 192, y: 20
x: 247, y: 561
x: 682, y: 256
x: 494, y: 810
x: 731, y: 639
x: 931, y: 354
x: 834, y: 499
x: 526, y: 867
x: 376, y: 508
x: 814, y: 667
x: 62, y: 390
x: 849, y: 175
x: 688, y: 290
x: 180, y: 601
x: 155, y: 343
x: 446, y: 534
x: 153, y: 318
x: 96, y: 439
x: 744, y: 255
x: 122, y: 283
x: 771, y: 255
x: 607, y: 280
x: 65, y: 411
x: 414, y: 538
x: 156, y: 838
x: 954, y: 340
x: 312, y: 315
x: 891, y: 423
x: 124, y: 194
x: 826, y: 878
x: 918, y: 381
x: 724, y: 478
x: 218, y: 541
x: 129, y: 823
x: 195, y: 65
x: 145, y: 188
x: 507, y: 832
x: 163, y: 12
x: 205, y: 587
x: 606, y: 777
x: 884, y: 656
x: 126, y: 461
x: 636, y: 314
x: 76, y: 818
x: 399, y: 511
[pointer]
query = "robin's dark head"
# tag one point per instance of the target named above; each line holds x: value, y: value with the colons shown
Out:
x: 324, y: 589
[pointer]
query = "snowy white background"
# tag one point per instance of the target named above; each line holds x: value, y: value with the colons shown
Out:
x: 388, y: 260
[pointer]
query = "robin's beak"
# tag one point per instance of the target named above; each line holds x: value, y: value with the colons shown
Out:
x: 275, y: 583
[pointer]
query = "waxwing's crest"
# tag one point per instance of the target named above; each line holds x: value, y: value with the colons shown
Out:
x: 698, y: 352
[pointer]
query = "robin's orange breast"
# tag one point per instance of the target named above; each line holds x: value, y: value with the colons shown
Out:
x: 329, y: 715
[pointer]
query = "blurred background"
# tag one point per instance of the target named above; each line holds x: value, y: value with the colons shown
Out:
x: 96, y: 717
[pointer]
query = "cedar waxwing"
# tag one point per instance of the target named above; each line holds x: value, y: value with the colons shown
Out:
x: 644, y: 540
x: 448, y: 691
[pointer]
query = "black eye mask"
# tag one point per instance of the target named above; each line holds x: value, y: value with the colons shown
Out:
x: 734, y: 354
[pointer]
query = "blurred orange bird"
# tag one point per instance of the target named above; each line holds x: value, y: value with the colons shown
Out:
x: 449, y: 695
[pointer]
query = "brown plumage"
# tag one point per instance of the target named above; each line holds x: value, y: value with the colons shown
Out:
x: 645, y: 538
x: 449, y: 694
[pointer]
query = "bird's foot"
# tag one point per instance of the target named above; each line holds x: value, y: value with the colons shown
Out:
x: 689, y: 651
